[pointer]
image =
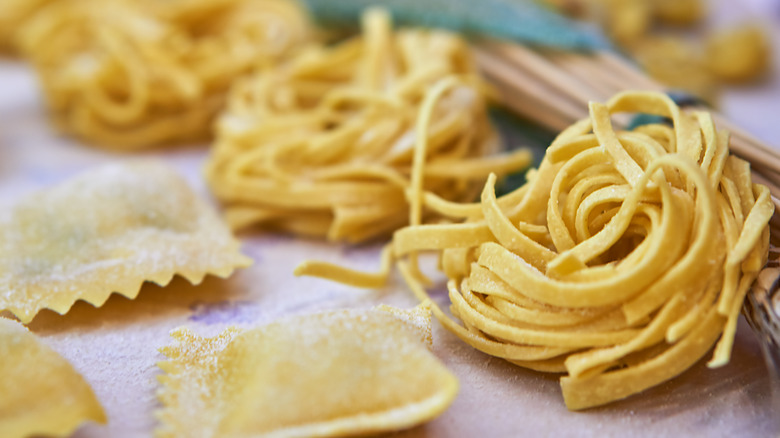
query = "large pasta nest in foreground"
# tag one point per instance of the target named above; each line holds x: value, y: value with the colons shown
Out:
x: 620, y: 262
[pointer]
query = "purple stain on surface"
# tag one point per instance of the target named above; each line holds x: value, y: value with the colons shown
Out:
x: 362, y: 251
x: 273, y: 240
x: 253, y: 252
x: 439, y: 292
x: 44, y: 177
x: 262, y: 247
x: 326, y: 299
x: 223, y: 312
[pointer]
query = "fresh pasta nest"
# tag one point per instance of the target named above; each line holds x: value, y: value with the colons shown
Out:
x: 109, y: 230
x: 134, y: 74
x: 13, y: 15
x: 620, y: 262
x: 40, y: 392
x: 324, y: 145
x: 338, y: 373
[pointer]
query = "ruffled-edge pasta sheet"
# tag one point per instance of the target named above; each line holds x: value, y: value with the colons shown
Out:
x: 338, y: 373
x: 40, y: 392
x: 109, y: 230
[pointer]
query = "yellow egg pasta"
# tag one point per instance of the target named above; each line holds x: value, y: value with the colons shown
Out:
x: 40, y: 392
x: 678, y: 64
x: 324, y: 145
x: 621, y: 261
x: 338, y: 373
x: 739, y: 55
x: 13, y: 15
x: 109, y: 230
x: 130, y: 74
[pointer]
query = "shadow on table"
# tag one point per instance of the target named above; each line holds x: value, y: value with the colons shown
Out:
x: 153, y: 302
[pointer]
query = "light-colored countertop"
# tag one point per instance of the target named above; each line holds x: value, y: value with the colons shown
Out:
x: 115, y: 346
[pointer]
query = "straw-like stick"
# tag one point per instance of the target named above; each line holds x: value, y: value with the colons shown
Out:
x: 554, y: 88
x: 540, y: 92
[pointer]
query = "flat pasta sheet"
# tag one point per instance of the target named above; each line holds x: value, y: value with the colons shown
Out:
x: 40, y: 392
x: 109, y: 230
x: 338, y: 373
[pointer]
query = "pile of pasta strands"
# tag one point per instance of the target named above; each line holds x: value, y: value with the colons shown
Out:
x: 620, y: 263
x: 13, y: 15
x: 324, y: 145
x: 134, y: 74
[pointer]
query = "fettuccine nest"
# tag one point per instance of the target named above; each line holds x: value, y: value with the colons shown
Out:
x: 620, y: 262
x: 324, y: 146
x: 133, y: 74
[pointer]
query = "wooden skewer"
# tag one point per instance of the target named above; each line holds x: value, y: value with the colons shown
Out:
x: 756, y: 157
x: 742, y: 136
x: 542, y: 68
x: 584, y: 73
x: 628, y: 70
x: 774, y: 189
x: 526, y: 85
x: 563, y: 83
x: 548, y: 119
x: 772, y: 182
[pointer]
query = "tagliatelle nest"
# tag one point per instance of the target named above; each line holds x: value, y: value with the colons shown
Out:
x: 134, y: 74
x: 324, y: 146
x: 620, y: 262
x: 13, y: 16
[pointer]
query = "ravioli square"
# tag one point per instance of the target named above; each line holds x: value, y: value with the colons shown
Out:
x: 337, y: 373
x: 109, y: 230
x: 40, y: 392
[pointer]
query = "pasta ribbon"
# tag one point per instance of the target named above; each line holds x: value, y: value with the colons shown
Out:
x: 620, y: 262
x: 324, y: 146
x: 134, y: 74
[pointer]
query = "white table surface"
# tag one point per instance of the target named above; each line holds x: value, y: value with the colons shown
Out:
x: 115, y: 346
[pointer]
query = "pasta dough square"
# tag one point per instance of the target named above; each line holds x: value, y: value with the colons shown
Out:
x: 109, y: 230
x: 346, y: 372
x: 40, y: 392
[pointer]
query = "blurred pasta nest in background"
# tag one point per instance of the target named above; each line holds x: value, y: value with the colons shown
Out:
x: 324, y: 146
x: 13, y: 15
x: 133, y: 74
x: 666, y: 38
